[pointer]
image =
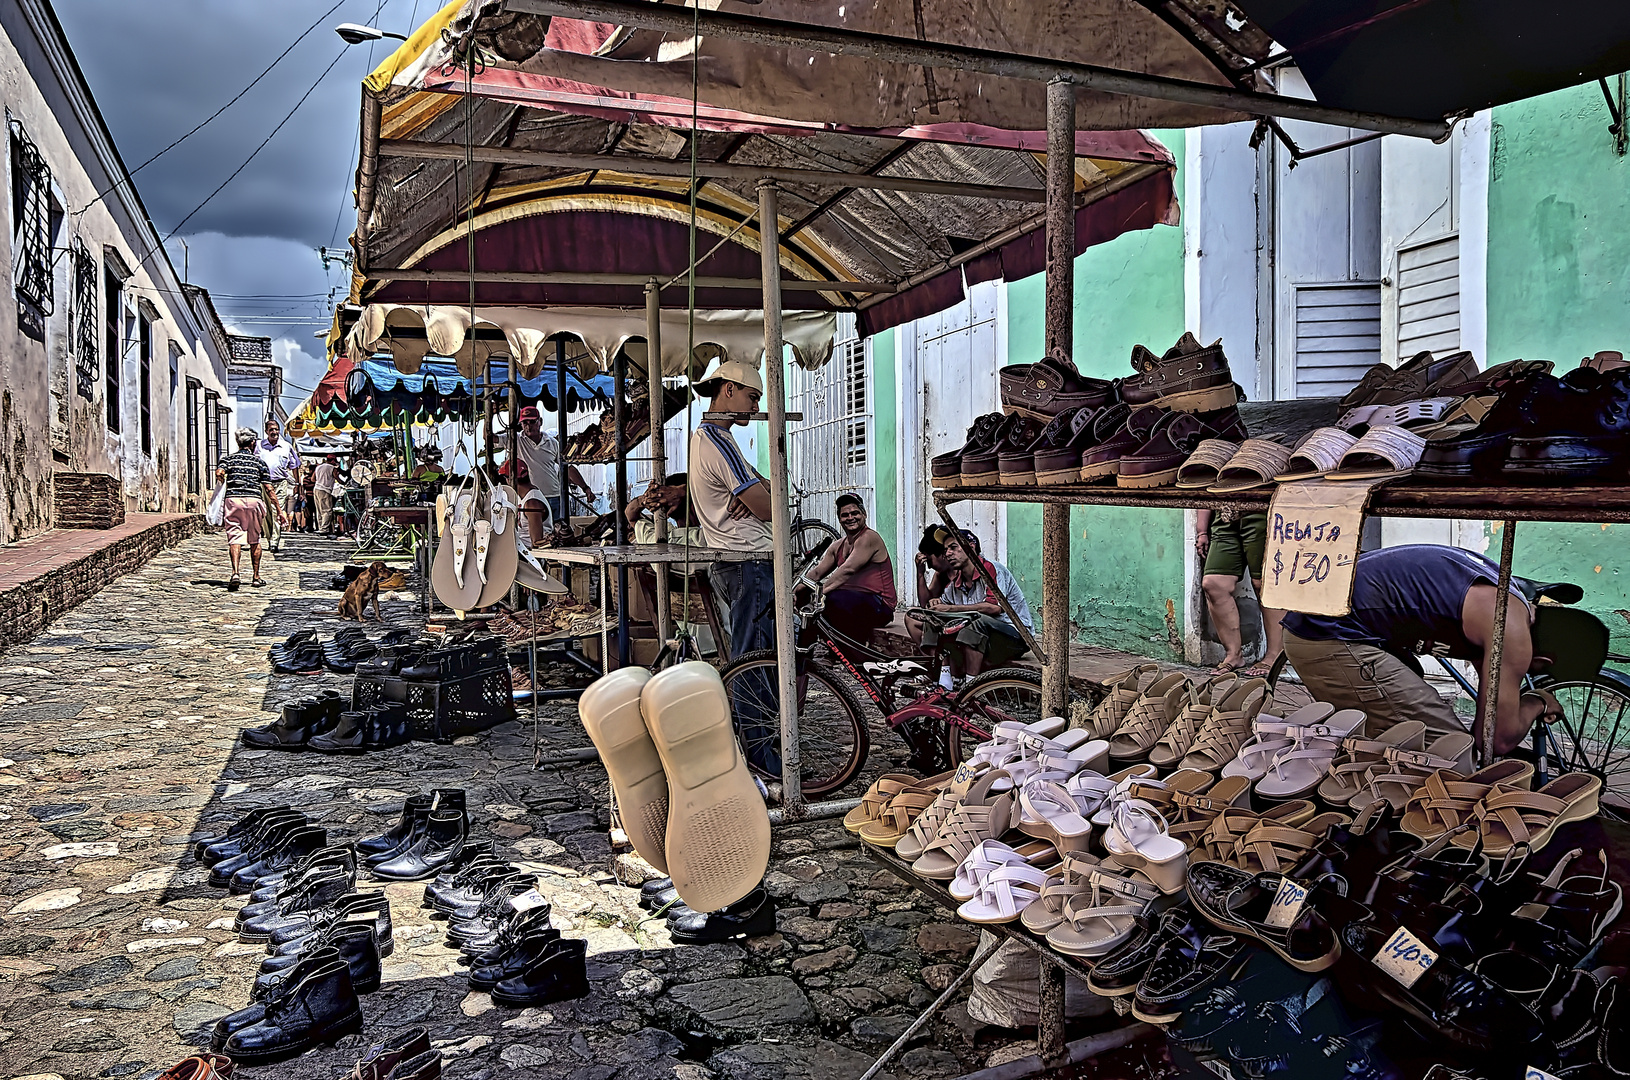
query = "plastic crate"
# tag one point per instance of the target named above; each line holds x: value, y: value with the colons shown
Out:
x: 442, y: 711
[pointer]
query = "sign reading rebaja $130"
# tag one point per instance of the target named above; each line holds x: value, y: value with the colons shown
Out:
x: 1313, y: 535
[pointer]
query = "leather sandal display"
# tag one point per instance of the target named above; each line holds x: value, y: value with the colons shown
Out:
x: 1147, y: 720
x: 1103, y: 719
x: 1506, y: 819
x: 1402, y: 772
x: 1228, y: 726
x: 979, y: 815
x: 1193, y: 711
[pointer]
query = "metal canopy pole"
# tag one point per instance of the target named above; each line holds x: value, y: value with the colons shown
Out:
x: 560, y: 447
x: 1060, y: 323
x: 659, y: 451
x: 1488, y: 701
x: 780, y: 33
x: 619, y: 487
x: 775, y: 400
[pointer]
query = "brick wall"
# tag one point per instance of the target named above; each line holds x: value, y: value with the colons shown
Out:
x: 88, y: 501
x: 28, y: 608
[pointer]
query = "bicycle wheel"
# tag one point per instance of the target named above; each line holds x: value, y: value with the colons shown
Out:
x: 832, y: 737
x: 1012, y: 693
x: 1593, y: 735
x: 810, y: 539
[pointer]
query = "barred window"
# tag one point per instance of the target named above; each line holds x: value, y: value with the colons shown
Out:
x: 31, y: 222
x: 82, y: 319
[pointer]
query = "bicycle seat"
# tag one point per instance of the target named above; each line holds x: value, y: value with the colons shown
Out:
x: 894, y: 667
x: 1563, y: 592
x: 1575, y: 642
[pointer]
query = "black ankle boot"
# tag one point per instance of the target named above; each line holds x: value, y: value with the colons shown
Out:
x: 320, y: 892
x: 296, y: 846
x: 751, y: 916
x: 218, y: 851
x: 376, y: 846
x: 557, y: 974
x: 321, y: 1009
x: 519, y: 956
x: 355, y: 943
x: 443, y: 839
x: 334, y: 857
x: 255, y: 1011
x: 346, y: 737
x: 348, y: 908
x: 235, y: 832
x: 258, y: 847
x: 290, y: 730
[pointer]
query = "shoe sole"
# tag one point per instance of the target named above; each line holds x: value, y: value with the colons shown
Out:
x: 984, y: 479
x: 1101, y: 471
x: 611, y: 714
x: 1147, y: 480
x: 1111, y: 991
x: 1018, y: 479
x: 1207, y: 400
x: 718, y: 834
x: 522, y: 1002
x: 1059, y: 476
x: 946, y: 481
x: 1151, y: 1017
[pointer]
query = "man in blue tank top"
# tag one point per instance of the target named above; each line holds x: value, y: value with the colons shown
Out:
x: 1409, y: 601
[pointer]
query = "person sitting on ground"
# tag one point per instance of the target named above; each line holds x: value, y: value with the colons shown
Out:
x: 855, y: 575
x: 669, y: 499
x: 1424, y: 599
x: 958, y: 604
x: 249, y: 494
x: 1230, y: 546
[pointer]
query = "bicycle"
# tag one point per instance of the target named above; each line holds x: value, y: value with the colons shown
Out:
x: 940, y: 726
x: 810, y: 536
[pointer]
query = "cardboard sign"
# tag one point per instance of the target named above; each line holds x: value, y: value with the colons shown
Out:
x: 1313, y: 534
x: 1287, y: 904
x: 1405, y: 957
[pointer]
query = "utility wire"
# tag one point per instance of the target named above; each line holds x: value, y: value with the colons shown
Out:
x: 128, y: 177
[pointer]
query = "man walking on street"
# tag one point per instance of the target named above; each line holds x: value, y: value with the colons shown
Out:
x: 322, y: 492
x: 283, y: 463
x: 541, y: 452
x: 248, y: 497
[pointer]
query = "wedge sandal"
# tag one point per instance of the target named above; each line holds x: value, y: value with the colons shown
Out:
x: 1070, y: 878
x: 1148, y: 718
x: 1297, y: 771
x: 1228, y: 726
x: 1051, y: 813
x: 1086, y: 790
x: 1507, y: 819
x: 1402, y: 772
x: 1103, y: 719
x: 1192, y: 714
x: 926, y: 824
x: 1138, y: 838
x: 1270, y: 735
x: 1349, y: 769
x: 980, y: 815
x: 1448, y: 799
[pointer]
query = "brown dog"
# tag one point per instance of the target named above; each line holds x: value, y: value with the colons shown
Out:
x: 354, y: 604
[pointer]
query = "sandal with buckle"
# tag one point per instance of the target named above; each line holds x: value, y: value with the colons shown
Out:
x: 1087, y: 791
x: 1102, y: 915
x: 1138, y: 838
x: 1231, y: 825
x: 1449, y: 799
x: 1191, y: 814
x: 1054, y: 816
x: 1404, y: 771
x: 1005, y: 894
x: 1277, y: 848
x: 1349, y: 769
x: 1069, y: 878
x: 1507, y: 819
x: 1271, y: 734
x: 1299, y: 768
x: 1139, y: 782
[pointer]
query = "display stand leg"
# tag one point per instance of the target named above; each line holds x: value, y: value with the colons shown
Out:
x: 934, y: 1007
x: 1488, y: 700
x: 560, y: 428
x: 659, y: 448
x: 1050, y: 1016
x: 775, y: 397
x: 1060, y: 330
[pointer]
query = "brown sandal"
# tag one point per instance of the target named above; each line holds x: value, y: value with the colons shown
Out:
x: 1107, y: 716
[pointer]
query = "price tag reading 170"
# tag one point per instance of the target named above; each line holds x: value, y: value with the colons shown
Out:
x: 1405, y: 957
x: 1287, y: 904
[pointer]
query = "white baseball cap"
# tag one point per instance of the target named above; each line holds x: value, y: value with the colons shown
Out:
x: 730, y: 371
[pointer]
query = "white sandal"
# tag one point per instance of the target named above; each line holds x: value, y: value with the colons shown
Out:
x: 1057, y: 815
x: 1086, y: 789
x: 483, y: 541
x: 1270, y: 735
x: 1301, y: 765
x: 1137, y: 837
x: 463, y: 510
x: 1005, y: 894
x: 1102, y: 915
x: 990, y: 856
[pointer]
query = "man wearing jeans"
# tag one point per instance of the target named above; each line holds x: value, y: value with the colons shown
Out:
x: 732, y: 506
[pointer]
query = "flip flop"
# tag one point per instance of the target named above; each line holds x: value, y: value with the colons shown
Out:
x: 504, y: 505
x: 483, y: 542
x: 610, y: 711
x: 1257, y: 464
x: 1349, y: 769
x: 503, y: 557
x: 718, y: 838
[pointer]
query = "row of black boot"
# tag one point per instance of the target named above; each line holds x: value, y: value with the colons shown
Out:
x: 751, y: 916
x: 500, y: 923
x: 304, y: 653
x: 323, y: 723
x: 261, y: 845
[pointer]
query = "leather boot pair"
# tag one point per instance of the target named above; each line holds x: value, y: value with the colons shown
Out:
x: 234, y: 833
x: 751, y: 916
x: 358, y: 731
x: 435, y: 838
x: 404, y: 1056
x: 501, y: 906
x: 410, y: 825
x: 323, y: 890
x: 373, y: 909
x: 559, y: 972
x: 273, y: 830
x: 523, y: 924
x: 320, y: 1008
x: 340, y: 857
x: 297, y: 845
x: 355, y: 943
x: 464, y: 902
x: 517, y: 956
x: 292, y: 729
x: 469, y: 865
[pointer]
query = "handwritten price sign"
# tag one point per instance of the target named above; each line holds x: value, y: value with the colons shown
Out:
x: 1405, y: 957
x: 1313, y: 534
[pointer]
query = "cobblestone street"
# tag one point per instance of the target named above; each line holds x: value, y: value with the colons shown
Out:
x: 118, y: 748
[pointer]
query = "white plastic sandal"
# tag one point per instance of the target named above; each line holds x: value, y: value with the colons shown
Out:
x: 1086, y: 789
x: 1055, y: 816
x: 1005, y: 894
x: 1137, y: 837
x: 1004, y: 743
x: 1300, y: 766
x: 1031, y: 747
x: 990, y: 856
x: 1270, y: 735
x: 1102, y: 915
x: 483, y: 542
x: 463, y: 510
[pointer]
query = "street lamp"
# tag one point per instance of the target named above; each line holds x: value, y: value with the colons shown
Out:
x: 355, y: 33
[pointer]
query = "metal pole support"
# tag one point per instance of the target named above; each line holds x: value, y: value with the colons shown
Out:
x: 659, y: 449
x: 934, y: 1007
x: 775, y: 398
x: 1488, y: 699
x: 1060, y: 324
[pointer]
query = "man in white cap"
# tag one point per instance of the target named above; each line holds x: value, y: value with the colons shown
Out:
x: 732, y: 506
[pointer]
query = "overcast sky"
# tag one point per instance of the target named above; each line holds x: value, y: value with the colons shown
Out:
x: 159, y: 67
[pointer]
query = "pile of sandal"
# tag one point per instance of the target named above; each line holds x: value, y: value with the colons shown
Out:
x: 564, y: 616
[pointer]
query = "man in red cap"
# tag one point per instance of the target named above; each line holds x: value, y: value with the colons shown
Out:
x: 541, y: 453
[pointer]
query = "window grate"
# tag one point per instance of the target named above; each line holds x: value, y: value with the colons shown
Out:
x: 829, y: 450
x: 31, y: 220
x: 82, y: 315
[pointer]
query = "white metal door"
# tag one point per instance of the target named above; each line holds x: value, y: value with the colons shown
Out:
x: 830, y: 451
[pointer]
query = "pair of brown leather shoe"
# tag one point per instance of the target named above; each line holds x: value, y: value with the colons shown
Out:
x: 200, y: 1067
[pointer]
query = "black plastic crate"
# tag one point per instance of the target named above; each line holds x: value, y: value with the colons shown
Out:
x: 442, y: 711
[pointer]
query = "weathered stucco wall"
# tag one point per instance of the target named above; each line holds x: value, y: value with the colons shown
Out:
x: 1559, y: 289
x: 1126, y: 577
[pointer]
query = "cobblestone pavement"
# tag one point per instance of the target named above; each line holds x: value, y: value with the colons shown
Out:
x: 118, y: 748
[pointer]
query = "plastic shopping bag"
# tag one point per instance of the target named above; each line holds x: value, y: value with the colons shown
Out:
x: 215, y: 513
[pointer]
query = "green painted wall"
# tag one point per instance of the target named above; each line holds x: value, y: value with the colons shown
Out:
x: 1559, y: 289
x: 885, y: 449
x: 1126, y: 577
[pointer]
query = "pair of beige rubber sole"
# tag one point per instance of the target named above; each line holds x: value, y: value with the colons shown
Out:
x: 687, y: 800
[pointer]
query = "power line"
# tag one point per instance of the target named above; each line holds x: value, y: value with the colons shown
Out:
x: 128, y: 177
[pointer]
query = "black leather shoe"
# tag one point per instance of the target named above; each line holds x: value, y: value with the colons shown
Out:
x: 355, y: 943
x: 1116, y: 973
x: 290, y: 730
x: 322, y: 1009
x: 218, y: 851
x: 302, y: 661
x: 473, y: 863
x: 255, y: 1011
x: 244, y: 825
x: 559, y: 973
x: 484, y: 928
x: 386, y: 726
x: 465, y: 902
x: 342, y: 857
x: 526, y: 923
x: 442, y: 841
x: 257, y: 921
x: 256, y: 848
x: 293, y: 642
x: 514, y: 960
x: 296, y: 846
x: 353, y: 907
x: 378, y: 1062
x: 751, y: 916
x: 425, y: 1066
x: 347, y: 737
x: 650, y: 890
x: 1190, y: 958
x: 414, y: 811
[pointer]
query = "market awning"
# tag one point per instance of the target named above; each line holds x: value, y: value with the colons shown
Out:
x: 1432, y: 58
x: 373, y: 394
x: 558, y: 225
x: 411, y: 332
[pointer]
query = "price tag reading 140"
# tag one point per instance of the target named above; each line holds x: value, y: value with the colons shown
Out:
x: 1405, y: 957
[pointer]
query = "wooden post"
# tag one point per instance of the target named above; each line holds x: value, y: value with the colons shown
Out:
x: 659, y: 451
x: 1488, y: 697
x: 1060, y: 315
x: 775, y: 400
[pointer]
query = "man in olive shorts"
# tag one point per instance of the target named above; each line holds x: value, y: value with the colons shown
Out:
x: 1231, y: 545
